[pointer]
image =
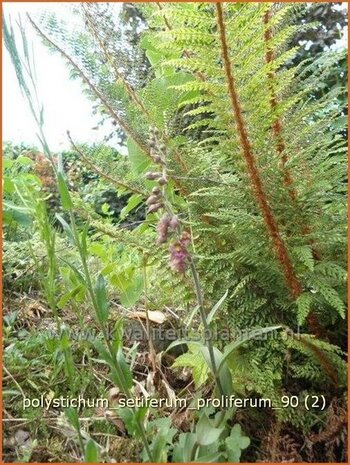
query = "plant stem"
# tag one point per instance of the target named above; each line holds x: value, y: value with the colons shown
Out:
x: 90, y: 288
x: 148, y: 325
x: 205, y: 324
x: 168, y: 208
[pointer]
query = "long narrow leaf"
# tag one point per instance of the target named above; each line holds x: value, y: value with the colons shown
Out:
x: 216, y: 308
x: 235, y: 344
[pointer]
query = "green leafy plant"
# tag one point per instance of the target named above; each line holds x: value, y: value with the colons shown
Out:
x: 239, y: 158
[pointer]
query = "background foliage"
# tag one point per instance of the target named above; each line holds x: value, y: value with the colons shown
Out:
x: 247, y: 112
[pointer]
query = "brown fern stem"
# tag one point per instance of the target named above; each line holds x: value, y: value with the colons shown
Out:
x: 111, y: 231
x: 277, y: 127
x: 187, y: 54
x: 258, y: 188
x: 277, y: 130
x: 277, y: 124
x: 101, y: 173
x: 322, y: 358
x: 166, y: 22
x: 123, y: 124
x: 130, y: 91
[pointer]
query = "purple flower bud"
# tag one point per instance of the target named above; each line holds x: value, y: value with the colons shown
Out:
x: 162, y: 180
x: 152, y: 175
x: 156, y: 190
x: 174, y: 222
x: 164, y: 222
x: 162, y: 239
x: 158, y: 159
x: 185, y: 239
x: 152, y: 199
x: 163, y: 229
x: 154, y: 208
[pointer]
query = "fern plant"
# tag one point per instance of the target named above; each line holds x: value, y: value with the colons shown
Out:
x: 256, y: 172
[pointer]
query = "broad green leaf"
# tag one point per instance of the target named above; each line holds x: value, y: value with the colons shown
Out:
x: 206, y: 433
x: 138, y: 159
x: 194, y: 359
x: 133, y: 202
x: 73, y: 418
x: 221, y: 367
x: 70, y: 295
x: 8, y: 186
x: 67, y: 228
x: 66, y: 200
x: 130, y: 418
x: 101, y: 298
x: 64, y: 341
x: 91, y: 452
x: 105, y: 208
x: 188, y: 444
x: 235, y: 443
x: 164, y: 434
x: 133, y: 292
x: 99, y: 250
x: 104, y: 354
x: 124, y: 368
x: 12, y: 212
x: 7, y: 163
x: 108, y: 269
x: 24, y: 161
x: 154, y: 57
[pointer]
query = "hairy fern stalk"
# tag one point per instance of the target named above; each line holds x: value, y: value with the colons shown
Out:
x: 257, y: 166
